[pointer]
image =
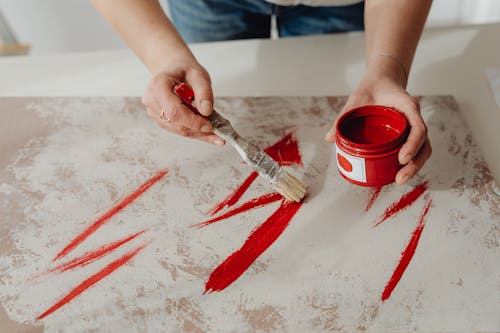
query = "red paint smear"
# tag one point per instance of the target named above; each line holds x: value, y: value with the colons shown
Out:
x: 92, y: 256
x: 374, y: 193
x: 258, y: 241
x: 235, y: 196
x: 285, y: 152
x: 406, y: 200
x: 251, y: 204
x: 110, y: 268
x: 407, y: 254
x: 101, y: 220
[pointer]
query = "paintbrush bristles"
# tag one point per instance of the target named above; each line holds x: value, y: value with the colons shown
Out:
x: 290, y: 187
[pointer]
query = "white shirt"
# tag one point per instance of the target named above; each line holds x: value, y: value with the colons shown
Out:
x: 314, y: 2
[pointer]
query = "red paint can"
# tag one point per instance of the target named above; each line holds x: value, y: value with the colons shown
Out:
x: 368, y: 140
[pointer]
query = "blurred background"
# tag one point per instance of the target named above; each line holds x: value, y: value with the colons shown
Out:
x: 54, y: 26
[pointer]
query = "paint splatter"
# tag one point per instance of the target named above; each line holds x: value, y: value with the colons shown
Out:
x: 110, y: 268
x: 251, y: 204
x: 101, y: 220
x: 285, y: 152
x: 91, y: 256
x: 374, y: 193
x: 407, y: 254
x: 404, y: 202
x: 258, y: 242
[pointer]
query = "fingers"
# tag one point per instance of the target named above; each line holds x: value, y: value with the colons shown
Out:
x: 418, y: 132
x: 183, y: 131
x: 160, y: 97
x: 411, y: 169
x: 199, y: 80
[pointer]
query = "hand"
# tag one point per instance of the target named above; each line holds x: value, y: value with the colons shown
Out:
x: 169, y: 112
x: 417, y: 149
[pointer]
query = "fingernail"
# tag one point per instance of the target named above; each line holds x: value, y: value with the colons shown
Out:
x: 219, y: 142
x: 406, y: 159
x: 206, y: 128
x: 206, y: 107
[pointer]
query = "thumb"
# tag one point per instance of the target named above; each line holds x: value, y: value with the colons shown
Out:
x: 199, y: 80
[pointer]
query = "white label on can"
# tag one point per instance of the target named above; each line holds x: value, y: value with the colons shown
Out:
x: 352, y: 167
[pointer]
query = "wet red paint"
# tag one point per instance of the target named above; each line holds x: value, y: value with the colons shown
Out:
x: 234, y: 197
x: 374, y: 193
x: 92, y: 256
x: 285, y: 152
x: 407, y: 254
x: 258, y: 242
x: 251, y: 204
x: 404, y: 202
x: 372, y: 129
x: 104, y: 218
x: 110, y: 268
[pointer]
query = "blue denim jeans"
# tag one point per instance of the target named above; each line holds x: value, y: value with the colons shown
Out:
x: 216, y: 20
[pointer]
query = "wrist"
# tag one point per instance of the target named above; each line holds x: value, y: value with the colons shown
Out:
x: 388, y: 68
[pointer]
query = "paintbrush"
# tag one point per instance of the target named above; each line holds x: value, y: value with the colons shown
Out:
x: 282, y: 181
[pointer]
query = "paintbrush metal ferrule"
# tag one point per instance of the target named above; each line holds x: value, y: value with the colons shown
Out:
x: 282, y: 181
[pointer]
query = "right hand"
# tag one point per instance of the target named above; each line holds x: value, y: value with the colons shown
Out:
x: 168, y: 110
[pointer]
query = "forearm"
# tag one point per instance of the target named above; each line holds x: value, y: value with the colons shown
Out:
x: 393, y: 29
x: 146, y: 29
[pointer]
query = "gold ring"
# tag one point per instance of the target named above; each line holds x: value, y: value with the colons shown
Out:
x: 162, y: 116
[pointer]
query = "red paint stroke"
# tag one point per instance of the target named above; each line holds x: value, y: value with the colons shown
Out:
x: 285, y: 152
x: 101, y: 220
x: 235, y: 196
x: 404, y: 202
x: 258, y: 241
x: 92, y: 256
x: 110, y: 268
x: 374, y: 193
x: 251, y: 204
x: 408, y: 253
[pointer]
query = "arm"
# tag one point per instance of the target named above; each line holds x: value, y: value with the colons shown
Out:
x: 393, y: 29
x: 150, y: 34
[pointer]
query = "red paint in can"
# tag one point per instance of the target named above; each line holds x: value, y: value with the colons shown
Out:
x: 368, y: 140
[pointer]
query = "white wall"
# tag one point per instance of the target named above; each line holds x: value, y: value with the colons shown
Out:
x: 59, y: 25
x: 455, y: 12
x: 73, y: 25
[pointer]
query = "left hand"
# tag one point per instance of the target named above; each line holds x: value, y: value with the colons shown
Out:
x: 417, y: 149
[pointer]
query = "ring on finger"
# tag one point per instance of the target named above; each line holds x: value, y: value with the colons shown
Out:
x: 163, y: 116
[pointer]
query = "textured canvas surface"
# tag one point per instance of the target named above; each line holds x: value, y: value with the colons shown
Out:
x: 70, y: 164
